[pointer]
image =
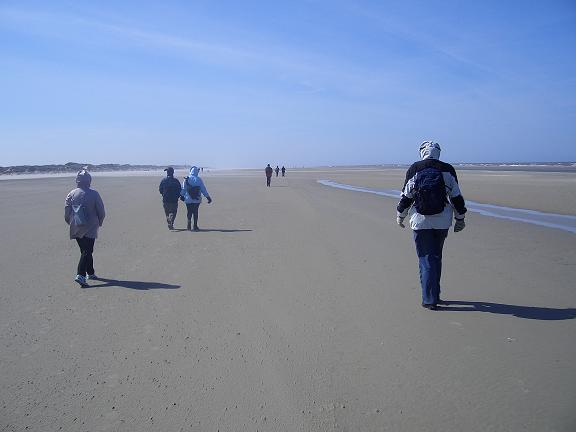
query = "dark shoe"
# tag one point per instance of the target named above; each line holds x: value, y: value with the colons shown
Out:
x: 81, y: 280
x: 429, y: 306
x: 189, y: 226
x: 196, y: 228
x: 442, y: 302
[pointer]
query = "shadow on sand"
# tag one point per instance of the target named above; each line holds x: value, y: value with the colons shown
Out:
x: 137, y: 285
x: 528, y: 312
x: 213, y: 230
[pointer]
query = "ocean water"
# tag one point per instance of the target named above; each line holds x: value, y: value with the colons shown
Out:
x: 548, y: 220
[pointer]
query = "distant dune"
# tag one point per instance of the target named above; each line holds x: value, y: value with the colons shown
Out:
x: 74, y: 167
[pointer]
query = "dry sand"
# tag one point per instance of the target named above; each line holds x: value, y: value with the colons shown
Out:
x: 296, y: 309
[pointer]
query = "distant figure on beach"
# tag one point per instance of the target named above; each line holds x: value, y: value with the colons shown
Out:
x: 192, y: 190
x: 84, y: 212
x: 268, y: 172
x: 277, y: 170
x: 283, y: 171
x: 431, y: 196
x: 170, y: 190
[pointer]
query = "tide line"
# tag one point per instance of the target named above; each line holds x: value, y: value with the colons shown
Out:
x: 548, y: 220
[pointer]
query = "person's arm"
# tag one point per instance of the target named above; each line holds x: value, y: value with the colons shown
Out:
x: 205, y: 191
x: 178, y: 185
x: 455, y: 195
x: 406, y: 198
x: 183, y: 190
x: 456, y: 199
x: 161, y: 187
x: 68, y: 209
x: 100, y: 211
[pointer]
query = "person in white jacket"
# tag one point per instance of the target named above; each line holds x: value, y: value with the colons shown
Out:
x: 192, y: 190
x: 431, y: 196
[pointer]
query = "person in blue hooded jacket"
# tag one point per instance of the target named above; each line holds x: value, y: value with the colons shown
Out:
x: 192, y: 190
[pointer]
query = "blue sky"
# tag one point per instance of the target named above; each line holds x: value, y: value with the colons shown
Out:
x: 300, y: 83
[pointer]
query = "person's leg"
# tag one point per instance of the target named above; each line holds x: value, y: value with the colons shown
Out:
x: 88, y: 251
x: 440, y: 237
x: 189, y: 212
x: 425, y: 249
x: 174, y: 212
x: 167, y: 213
x: 81, y: 269
x: 195, y: 214
x: 171, y: 209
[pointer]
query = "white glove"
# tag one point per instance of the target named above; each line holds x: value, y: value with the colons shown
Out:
x: 400, y: 221
x: 459, y: 225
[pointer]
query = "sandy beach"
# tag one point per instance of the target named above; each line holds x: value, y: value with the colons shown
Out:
x: 296, y: 308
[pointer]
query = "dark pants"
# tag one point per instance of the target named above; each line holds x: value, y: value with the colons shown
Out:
x: 86, y: 263
x: 429, y: 244
x: 170, y: 209
x: 268, y: 181
x: 193, y: 212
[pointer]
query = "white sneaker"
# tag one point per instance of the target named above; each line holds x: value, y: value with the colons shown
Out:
x: 81, y: 280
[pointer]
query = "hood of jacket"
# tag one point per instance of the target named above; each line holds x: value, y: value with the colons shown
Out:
x: 193, y: 179
x: 429, y: 150
x: 83, y: 178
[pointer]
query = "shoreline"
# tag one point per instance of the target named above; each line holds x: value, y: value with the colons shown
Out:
x: 500, y: 168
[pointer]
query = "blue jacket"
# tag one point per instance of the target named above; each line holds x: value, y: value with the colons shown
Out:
x: 193, y: 180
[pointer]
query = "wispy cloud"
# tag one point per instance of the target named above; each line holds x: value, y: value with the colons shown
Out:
x: 310, y: 71
x: 406, y: 32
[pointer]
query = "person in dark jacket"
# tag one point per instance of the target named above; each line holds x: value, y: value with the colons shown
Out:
x: 268, y: 172
x: 283, y: 171
x: 432, y: 197
x: 84, y: 212
x: 277, y: 170
x: 170, y: 190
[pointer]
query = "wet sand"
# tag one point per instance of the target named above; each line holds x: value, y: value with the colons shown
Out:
x: 297, y: 308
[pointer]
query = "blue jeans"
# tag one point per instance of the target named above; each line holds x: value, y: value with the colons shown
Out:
x: 429, y: 244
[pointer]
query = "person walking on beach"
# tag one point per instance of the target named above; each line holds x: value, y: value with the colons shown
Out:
x: 268, y: 172
x: 192, y: 190
x: 170, y: 189
x: 431, y: 196
x: 84, y: 212
x: 277, y: 170
x: 283, y: 171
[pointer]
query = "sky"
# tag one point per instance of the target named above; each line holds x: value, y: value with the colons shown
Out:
x: 228, y: 83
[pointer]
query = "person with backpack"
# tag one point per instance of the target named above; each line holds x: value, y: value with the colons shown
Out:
x: 268, y: 172
x: 170, y: 190
x: 431, y: 195
x: 192, y: 190
x: 84, y: 212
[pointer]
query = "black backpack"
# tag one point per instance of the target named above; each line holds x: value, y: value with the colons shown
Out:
x: 193, y: 191
x: 429, y: 192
